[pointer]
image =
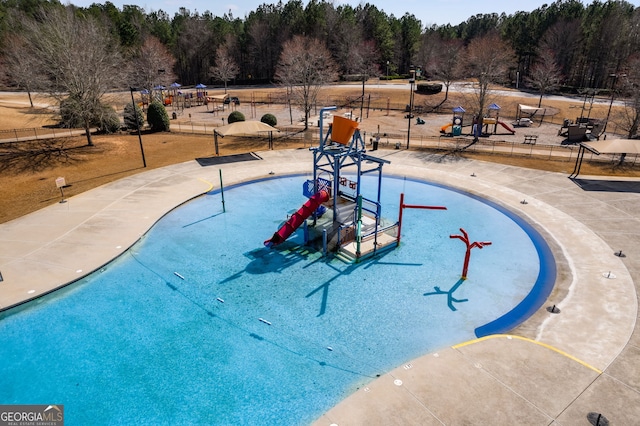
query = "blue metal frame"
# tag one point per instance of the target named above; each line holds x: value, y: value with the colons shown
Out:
x: 333, y: 158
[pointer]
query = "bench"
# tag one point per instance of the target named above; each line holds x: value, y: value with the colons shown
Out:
x: 532, y: 139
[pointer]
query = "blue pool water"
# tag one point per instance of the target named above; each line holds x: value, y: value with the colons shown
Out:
x: 199, y: 323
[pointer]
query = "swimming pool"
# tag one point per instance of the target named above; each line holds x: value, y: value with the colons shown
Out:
x: 200, y: 324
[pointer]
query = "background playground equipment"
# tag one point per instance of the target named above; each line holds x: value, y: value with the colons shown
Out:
x: 354, y: 226
x: 493, y: 118
x: 457, y: 123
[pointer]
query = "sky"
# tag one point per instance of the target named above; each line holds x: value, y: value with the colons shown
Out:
x: 439, y: 12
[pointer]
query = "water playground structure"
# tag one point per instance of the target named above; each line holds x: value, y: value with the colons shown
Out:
x: 343, y: 220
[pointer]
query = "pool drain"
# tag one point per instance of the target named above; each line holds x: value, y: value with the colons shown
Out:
x: 597, y: 419
x: 553, y: 309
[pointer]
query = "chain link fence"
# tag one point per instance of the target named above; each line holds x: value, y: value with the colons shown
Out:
x: 37, y: 133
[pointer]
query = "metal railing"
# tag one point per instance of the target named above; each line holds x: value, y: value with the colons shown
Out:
x: 388, y: 141
x: 37, y: 133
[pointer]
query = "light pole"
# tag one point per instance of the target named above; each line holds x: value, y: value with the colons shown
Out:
x: 364, y: 80
x: 135, y: 114
x: 613, y: 92
x: 411, y: 82
x: 387, y: 70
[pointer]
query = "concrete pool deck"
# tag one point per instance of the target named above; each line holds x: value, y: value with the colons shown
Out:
x: 562, y: 368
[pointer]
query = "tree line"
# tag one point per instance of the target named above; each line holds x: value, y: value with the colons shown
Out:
x: 80, y: 53
x: 588, y: 43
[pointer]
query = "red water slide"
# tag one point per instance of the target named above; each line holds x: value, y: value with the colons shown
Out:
x: 297, y: 218
x: 506, y: 126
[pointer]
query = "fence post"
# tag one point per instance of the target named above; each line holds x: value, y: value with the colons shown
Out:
x: 35, y: 132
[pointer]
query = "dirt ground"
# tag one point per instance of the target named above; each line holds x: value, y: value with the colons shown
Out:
x: 28, y: 170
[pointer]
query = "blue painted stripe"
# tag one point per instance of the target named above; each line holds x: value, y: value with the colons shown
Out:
x: 539, y: 292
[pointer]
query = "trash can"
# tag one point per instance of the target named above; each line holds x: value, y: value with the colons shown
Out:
x: 174, y: 115
x: 375, y: 144
x: 457, y: 130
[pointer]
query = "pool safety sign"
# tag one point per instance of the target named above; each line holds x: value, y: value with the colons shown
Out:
x: 32, y: 415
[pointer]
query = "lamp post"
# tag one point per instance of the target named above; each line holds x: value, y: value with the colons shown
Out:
x: 135, y: 114
x: 411, y: 82
x: 613, y: 92
x: 364, y: 80
x: 387, y: 70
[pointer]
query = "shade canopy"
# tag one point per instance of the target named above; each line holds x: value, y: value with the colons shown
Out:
x: 529, y: 109
x: 459, y: 109
x: 200, y: 86
x: 176, y: 84
x: 217, y: 97
x: 614, y: 146
x: 244, y: 128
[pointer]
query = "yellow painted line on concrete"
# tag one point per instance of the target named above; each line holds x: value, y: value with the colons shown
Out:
x: 208, y: 183
x: 508, y: 336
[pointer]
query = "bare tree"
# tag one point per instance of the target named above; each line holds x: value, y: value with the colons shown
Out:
x: 364, y: 57
x: 77, y: 59
x: 17, y: 67
x: 629, y: 117
x: 545, y: 74
x: 263, y: 47
x: 305, y: 66
x: 192, y: 48
x: 226, y: 67
x: 444, y: 62
x: 487, y: 60
x: 565, y: 38
x: 151, y: 66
